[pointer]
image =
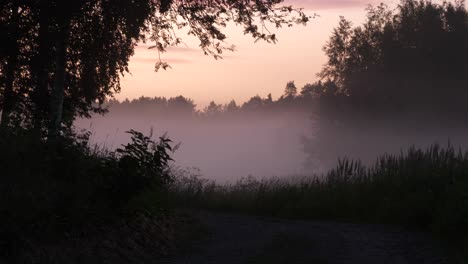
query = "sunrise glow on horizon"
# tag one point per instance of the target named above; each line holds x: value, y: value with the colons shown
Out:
x: 253, y: 69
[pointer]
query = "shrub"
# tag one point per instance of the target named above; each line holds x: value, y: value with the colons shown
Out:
x: 50, y: 190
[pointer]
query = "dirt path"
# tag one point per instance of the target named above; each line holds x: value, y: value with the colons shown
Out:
x: 247, y: 239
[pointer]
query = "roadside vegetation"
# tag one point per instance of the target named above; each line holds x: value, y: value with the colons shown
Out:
x: 422, y: 189
x: 69, y: 190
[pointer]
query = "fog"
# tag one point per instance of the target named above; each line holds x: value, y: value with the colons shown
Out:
x: 287, y: 143
x: 381, y: 90
x: 223, y: 149
x: 367, y: 138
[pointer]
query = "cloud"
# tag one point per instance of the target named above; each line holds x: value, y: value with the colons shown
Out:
x: 154, y: 60
x: 145, y: 55
x: 177, y: 49
x: 330, y: 4
x: 181, y: 49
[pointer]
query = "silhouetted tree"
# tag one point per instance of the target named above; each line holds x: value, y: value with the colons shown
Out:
x: 181, y: 104
x: 79, y: 49
x: 213, y: 109
x: 76, y: 52
x: 231, y: 107
x: 337, y: 49
x: 254, y: 104
x: 290, y: 90
x: 15, y: 53
x: 269, y: 98
x: 310, y: 90
x: 415, y: 57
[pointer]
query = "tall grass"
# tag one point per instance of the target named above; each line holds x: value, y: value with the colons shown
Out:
x: 427, y: 189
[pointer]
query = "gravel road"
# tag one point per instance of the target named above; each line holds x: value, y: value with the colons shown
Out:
x: 233, y: 238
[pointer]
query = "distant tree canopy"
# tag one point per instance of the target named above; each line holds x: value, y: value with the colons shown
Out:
x: 416, y: 56
x: 61, y: 59
x: 180, y: 106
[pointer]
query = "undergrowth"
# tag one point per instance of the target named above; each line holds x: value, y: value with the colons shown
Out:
x: 50, y: 190
x: 425, y: 189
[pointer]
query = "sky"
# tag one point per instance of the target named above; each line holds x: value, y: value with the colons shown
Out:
x: 253, y: 69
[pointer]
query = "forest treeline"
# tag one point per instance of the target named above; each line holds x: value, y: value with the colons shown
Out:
x: 408, y: 60
x: 180, y: 106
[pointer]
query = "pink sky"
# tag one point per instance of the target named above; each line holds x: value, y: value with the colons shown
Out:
x: 253, y: 69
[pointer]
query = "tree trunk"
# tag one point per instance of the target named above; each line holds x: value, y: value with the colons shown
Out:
x: 42, y: 64
x: 12, y: 61
x: 8, y: 95
x: 58, y: 89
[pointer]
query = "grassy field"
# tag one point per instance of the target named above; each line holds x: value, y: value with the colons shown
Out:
x: 424, y: 189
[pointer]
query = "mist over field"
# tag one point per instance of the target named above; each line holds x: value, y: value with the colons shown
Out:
x: 281, y: 143
x: 366, y: 139
x: 224, y: 149
x: 396, y: 81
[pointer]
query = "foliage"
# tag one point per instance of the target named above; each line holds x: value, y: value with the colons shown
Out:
x: 47, y: 192
x: 145, y: 162
x: 398, y: 78
x: 62, y: 60
x: 410, y: 58
x: 426, y: 189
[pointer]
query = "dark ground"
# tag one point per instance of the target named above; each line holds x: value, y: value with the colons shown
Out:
x: 232, y: 238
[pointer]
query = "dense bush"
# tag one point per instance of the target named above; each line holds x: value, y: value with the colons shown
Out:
x: 423, y: 189
x: 51, y: 189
